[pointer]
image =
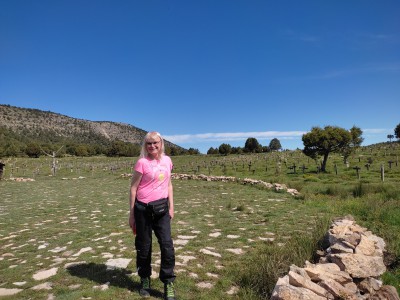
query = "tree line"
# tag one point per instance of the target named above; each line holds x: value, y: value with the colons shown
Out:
x: 251, y: 146
x: 45, y: 141
x: 319, y: 143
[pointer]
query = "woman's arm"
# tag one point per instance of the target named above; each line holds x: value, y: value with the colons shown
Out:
x: 171, y: 199
x: 136, y: 177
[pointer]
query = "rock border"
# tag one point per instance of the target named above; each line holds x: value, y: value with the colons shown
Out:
x: 278, y: 187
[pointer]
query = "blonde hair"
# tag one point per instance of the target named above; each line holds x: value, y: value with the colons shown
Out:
x: 152, y: 135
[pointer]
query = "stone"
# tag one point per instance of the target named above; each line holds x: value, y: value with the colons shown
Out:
x: 114, y: 263
x: 44, y: 274
x: 300, y: 271
x: 359, y: 266
x: 341, y: 247
x: 43, y: 286
x: 331, y: 271
x: 386, y: 292
x: 289, y: 292
x: 303, y: 282
x: 366, y: 246
x: 9, y: 292
x: 370, y: 285
x: 338, y: 290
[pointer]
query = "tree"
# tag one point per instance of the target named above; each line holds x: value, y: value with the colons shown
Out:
x: 81, y: 150
x: 275, y: 144
x: 237, y: 150
x: 390, y: 137
x: 266, y: 149
x: 212, y: 151
x: 251, y: 145
x: 33, y: 150
x: 355, y: 142
x: 225, y: 149
x: 193, y: 151
x: 322, y: 142
x: 397, y: 131
x: 11, y: 149
x: 356, y: 137
x: 117, y: 148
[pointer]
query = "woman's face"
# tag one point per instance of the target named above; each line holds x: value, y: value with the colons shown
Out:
x: 153, y: 146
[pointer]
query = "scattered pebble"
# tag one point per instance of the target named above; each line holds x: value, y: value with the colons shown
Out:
x: 231, y: 236
x: 233, y: 290
x: 205, y: 285
x: 9, y: 292
x: 43, y: 286
x: 83, y: 250
x: 44, y: 274
x: 215, y: 234
x: 208, y: 252
x: 235, y: 251
x: 114, y: 263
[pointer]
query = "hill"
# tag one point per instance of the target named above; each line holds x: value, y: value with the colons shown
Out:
x: 29, y: 125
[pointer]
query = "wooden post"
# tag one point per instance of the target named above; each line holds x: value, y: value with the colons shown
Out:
x: 53, y: 166
x: 278, y: 168
x: 2, y: 165
x: 54, y: 163
x: 358, y: 171
x: 382, y: 172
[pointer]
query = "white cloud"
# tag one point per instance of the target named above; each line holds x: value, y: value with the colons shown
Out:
x: 232, y: 136
x: 239, y: 136
x: 288, y: 139
x: 376, y: 130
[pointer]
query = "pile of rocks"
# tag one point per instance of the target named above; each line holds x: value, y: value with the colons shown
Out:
x: 21, y: 179
x: 203, y: 177
x: 348, y: 269
x: 276, y: 186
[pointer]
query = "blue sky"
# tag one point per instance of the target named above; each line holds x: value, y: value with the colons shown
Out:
x: 203, y: 73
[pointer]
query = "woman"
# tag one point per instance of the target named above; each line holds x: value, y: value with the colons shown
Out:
x: 152, y: 208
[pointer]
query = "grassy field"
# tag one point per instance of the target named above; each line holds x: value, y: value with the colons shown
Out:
x: 232, y: 241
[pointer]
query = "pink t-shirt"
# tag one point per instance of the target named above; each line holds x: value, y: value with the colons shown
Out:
x: 156, y: 175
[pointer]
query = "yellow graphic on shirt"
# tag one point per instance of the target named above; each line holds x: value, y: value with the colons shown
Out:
x: 161, y: 177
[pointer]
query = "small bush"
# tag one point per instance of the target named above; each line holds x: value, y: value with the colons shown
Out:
x: 359, y: 190
x: 240, y: 207
x: 310, y: 178
x: 336, y: 190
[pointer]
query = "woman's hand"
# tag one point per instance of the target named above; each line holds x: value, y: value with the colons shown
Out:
x: 132, y: 223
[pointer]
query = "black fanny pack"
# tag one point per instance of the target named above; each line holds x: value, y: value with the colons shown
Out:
x: 158, y: 207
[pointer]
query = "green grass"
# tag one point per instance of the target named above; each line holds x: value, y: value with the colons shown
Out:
x: 93, y: 212
x: 86, y: 205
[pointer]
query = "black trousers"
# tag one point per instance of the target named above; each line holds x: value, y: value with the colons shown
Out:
x: 146, y: 222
